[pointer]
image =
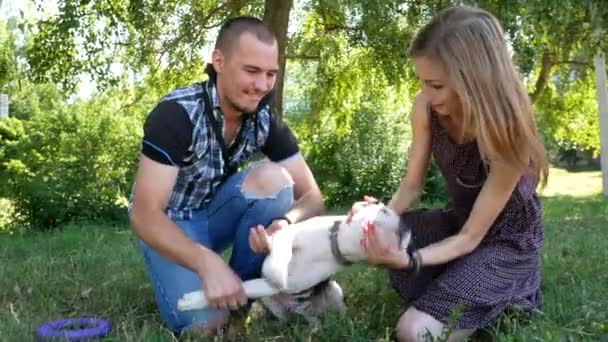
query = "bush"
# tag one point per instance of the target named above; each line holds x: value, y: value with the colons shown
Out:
x: 435, y: 191
x: 367, y: 160
x: 76, y: 163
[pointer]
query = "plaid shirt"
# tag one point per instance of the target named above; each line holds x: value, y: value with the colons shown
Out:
x: 205, y: 168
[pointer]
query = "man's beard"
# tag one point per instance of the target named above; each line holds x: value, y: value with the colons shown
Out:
x: 240, y: 108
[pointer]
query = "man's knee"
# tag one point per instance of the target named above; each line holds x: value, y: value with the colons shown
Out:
x: 266, y: 179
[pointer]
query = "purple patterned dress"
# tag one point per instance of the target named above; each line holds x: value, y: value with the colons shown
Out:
x: 502, y: 272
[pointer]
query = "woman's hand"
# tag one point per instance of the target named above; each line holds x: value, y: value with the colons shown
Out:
x: 380, y: 252
x: 367, y: 200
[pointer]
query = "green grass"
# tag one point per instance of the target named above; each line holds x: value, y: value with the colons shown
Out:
x: 95, y: 269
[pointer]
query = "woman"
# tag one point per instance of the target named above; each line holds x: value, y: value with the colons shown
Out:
x: 473, y: 115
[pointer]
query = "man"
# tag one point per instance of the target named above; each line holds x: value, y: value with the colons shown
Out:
x: 190, y: 202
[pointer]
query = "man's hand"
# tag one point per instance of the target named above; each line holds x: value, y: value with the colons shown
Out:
x: 260, y: 238
x: 222, y: 287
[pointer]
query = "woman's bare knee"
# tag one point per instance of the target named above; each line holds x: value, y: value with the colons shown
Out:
x: 415, y: 325
x: 405, y: 329
x: 266, y: 179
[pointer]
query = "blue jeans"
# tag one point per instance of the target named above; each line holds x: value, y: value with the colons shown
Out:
x: 224, y: 222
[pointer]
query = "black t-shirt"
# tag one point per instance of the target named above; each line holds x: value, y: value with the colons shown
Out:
x: 168, y: 135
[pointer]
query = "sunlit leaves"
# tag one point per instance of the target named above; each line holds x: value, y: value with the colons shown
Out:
x: 568, y: 114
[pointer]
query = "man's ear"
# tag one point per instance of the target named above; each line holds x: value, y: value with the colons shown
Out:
x: 218, y: 59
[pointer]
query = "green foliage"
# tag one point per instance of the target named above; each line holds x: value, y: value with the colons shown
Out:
x: 368, y: 160
x: 141, y: 35
x: 354, y: 134
x: 435, y: 189
x: 354, y: 129
x: 31, y: 100
x: 348, y: 86
x: 8, y: 65
x: 7, y: 214
x: 568, y: 30
x: 568, y: 116
x: 11, y: 132
x: 70, y: 164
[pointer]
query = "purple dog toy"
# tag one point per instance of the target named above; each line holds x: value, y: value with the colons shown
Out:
x: 90, y: 328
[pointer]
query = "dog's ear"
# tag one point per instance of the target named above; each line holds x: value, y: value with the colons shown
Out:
x: 405, y: 233
x: 406, y: 239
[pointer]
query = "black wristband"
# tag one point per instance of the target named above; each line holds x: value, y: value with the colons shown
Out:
x: 414, y: 262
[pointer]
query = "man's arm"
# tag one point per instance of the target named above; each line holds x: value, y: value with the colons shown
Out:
x: 307, y: 195
x: 282, y: 147
x: 308, y: 203
x: 167, y: 136
x: 153, y: 184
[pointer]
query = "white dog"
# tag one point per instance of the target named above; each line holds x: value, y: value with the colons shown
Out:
x: 310, y: 252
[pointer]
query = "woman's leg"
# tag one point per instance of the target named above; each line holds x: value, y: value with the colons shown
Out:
x: 415, y: 325
x: 427, y: 226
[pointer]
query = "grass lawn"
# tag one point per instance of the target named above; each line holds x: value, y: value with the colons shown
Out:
x: 94, y: 269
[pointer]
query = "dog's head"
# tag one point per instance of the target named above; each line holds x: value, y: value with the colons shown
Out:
x: 384, y: 219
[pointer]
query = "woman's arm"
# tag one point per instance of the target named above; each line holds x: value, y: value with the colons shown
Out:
x: 418, y: 159
x: 492, y: 199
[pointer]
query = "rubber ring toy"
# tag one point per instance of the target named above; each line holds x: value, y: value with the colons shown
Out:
x: 86, y: 328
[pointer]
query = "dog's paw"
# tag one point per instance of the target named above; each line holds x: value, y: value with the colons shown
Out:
x: 192, y: 301
x: 276, y: 305
x: 334, y: 296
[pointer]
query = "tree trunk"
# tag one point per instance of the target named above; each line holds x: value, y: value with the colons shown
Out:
x: 276, y: 17
x: 547, y: 63
x: 602, y: 100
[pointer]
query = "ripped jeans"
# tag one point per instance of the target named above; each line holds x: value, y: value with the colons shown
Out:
x: 224, y: 222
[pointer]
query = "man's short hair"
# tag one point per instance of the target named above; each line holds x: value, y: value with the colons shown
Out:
x: 231, y: 31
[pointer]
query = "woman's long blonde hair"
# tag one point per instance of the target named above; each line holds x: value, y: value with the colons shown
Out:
x: 497, y: 111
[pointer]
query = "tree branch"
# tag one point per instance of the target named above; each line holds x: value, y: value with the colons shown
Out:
x: 174, y: 42
x: 547, y: 63
x: 302, y: 56
x: 337, y: 27
x: 573, y: 62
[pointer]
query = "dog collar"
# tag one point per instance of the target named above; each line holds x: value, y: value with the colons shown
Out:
x: 335, y: 249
